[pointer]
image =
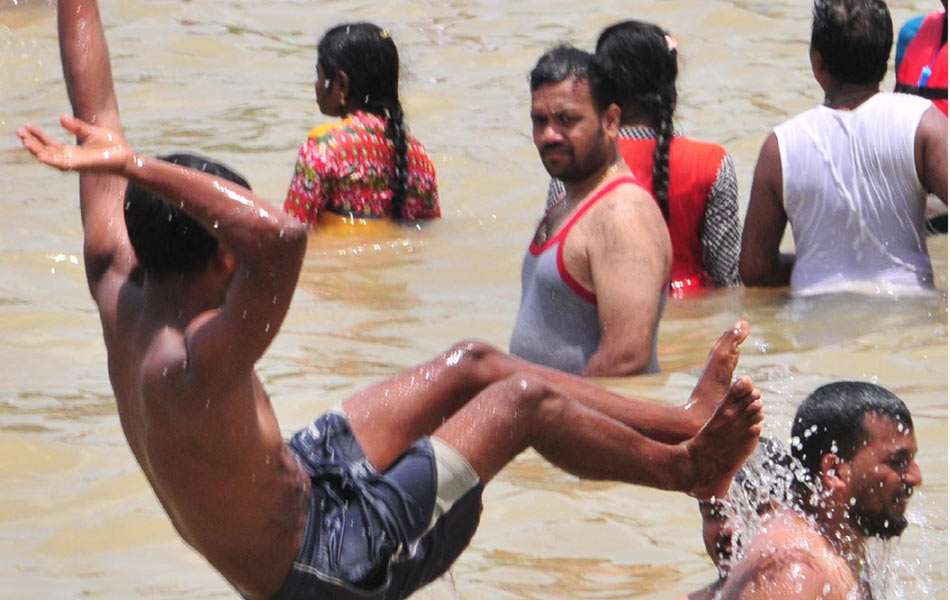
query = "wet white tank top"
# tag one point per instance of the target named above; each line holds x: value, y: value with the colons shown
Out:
x: 853, y: 198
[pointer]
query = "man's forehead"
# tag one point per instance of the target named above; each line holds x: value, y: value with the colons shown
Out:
x: 568, y: 91
x: 888, y: 434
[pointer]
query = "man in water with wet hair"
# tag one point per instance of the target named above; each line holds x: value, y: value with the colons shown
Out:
x: 856, y: 444
x: 595, y: 277
x: 851, y: 175
x: 193, y: 275
x: 759, y: 487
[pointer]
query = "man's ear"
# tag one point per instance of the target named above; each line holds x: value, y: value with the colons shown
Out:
x: 835, y: 473
x: 611, y: 120
x: 818, y: 67
x: 343, y: 80
x: 224, y: 260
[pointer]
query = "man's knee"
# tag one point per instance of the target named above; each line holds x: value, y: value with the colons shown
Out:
x: 469, y: 354
x: 533, y: 397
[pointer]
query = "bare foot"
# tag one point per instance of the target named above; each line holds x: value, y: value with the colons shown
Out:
x: 717, y: 375
x: 725, y: 441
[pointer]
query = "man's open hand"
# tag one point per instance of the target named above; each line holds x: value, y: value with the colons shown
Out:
x: 99, y: 149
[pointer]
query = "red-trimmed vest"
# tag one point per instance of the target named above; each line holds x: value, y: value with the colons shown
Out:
x: 693, y: 169
x: 927, y: 51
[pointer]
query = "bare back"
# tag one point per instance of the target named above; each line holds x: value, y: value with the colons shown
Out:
x: 182, y: 347
x: 211, y: 449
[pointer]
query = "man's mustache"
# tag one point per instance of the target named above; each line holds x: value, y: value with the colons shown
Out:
x: 555, y: 146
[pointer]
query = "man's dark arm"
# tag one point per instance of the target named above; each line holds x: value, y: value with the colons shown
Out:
x: 930, y: 152
x: 760, y: 262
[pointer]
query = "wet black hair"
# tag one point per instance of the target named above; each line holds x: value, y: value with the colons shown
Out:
x: 853, y: 38
x: 831, y: 420
x: 165, y: 239
x: 642, y: 66
x: 564, y: 61
x: 368, y: 56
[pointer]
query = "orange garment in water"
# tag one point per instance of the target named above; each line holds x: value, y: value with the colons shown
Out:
x: 348, y: 168
x: 923, y: 69
x: 693, y: 166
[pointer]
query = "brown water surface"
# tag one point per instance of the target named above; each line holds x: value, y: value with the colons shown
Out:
x: 234, y: 80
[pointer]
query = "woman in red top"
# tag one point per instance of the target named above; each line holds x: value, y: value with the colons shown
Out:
x: 366, y: 166
x: 693, y: 182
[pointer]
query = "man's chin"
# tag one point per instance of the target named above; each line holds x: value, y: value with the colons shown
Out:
x: 881, y: 526
x: 557, y: 170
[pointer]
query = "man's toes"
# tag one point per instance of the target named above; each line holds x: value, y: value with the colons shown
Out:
x: 741, y: 388
x: 739, y: 333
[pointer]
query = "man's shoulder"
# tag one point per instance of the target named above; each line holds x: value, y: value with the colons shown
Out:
x: 628, y: 215
x: 789, y: 558
x: 625, y: 191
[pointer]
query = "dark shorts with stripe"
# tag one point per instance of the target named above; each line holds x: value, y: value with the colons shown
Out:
x: 371, y: 534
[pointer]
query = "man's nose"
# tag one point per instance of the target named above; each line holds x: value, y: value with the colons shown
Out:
x: 912, y: 477
x: 551, y: 135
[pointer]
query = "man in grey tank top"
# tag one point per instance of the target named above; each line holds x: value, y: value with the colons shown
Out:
x: 594, y: 278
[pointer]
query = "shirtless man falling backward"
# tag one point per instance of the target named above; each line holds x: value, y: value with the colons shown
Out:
x: 372, y: 500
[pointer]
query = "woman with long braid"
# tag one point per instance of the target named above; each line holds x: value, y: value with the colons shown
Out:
x: 366, y: 166
x: 693, y: 182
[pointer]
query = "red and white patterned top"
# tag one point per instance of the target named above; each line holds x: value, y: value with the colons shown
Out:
x: 349, y: 168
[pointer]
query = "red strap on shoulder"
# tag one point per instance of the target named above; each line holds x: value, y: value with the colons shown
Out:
x: 584, y: 208
x: 572, y: 283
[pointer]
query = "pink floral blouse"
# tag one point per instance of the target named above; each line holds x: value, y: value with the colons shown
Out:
x: 348, y: 168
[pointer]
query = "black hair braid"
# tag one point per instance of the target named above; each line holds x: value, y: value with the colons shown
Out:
x: 661, y: 156
x: 396, y: 131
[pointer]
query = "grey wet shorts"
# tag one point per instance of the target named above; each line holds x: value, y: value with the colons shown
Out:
x: 378, y: 535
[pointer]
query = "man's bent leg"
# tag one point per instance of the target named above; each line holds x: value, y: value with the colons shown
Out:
x: 518, y: 412
x: 388, y: 417
x: 663, y: 423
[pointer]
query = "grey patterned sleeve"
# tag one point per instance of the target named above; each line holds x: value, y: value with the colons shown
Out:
x: 555, y: 189
x: 721, y: 236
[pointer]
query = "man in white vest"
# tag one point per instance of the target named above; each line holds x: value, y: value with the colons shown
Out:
x: 851, y: 175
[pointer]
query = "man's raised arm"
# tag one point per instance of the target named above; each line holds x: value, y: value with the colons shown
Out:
x: 266, y: 245
x: 85, y: 57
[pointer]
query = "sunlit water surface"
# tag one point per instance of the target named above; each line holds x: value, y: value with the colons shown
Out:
x: 234, y: 80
